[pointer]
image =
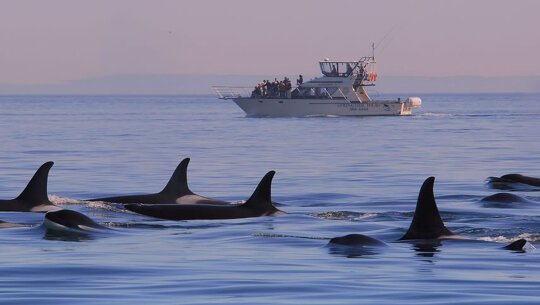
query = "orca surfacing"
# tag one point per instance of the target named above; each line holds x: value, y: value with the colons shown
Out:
x: 259, y: 204
x: 71, y: 221
x: 175, y: 192
x: 426, y: 225
x: 427, y: 222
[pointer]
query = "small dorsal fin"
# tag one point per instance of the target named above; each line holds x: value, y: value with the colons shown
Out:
x: 36, y: 190
x: 262, y: 196
x: 427, y: 222
x: 178, y: 185
x: 518, y: 245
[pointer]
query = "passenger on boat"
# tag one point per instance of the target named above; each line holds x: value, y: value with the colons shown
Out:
x: 300, y: 80
x: 285, y: 87
x: 264, y: 87
x: 256, y: 92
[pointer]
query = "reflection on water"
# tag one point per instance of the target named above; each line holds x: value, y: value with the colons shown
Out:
x: 426, y: 248
x: 66, y: 236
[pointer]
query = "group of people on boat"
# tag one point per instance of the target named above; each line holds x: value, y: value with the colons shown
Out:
x: 275, y: 88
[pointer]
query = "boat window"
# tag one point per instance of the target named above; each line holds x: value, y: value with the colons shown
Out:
x: 338, y: 68
x: 331, y: 91
x: 314, y: 92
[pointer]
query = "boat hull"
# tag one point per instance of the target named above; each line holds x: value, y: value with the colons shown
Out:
x: 312, y: 107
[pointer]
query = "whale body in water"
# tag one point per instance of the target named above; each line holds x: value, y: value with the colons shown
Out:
x: 259, y: 204
x: 175, y: 192
x: 427, y: 224
x: 71, y: 222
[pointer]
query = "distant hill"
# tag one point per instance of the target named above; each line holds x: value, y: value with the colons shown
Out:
x: 201, y: 84
x: 459, y: 84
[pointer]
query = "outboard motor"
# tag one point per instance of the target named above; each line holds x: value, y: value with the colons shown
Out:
x: 414, y: 102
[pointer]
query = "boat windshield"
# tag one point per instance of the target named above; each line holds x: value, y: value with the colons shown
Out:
x: 340, y: 68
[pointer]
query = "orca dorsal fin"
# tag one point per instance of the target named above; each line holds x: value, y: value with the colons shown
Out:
x: 427, y: 222
x: 261, y: 199
x: 177, y: 184
x: 518, y: 245
x: 36, y: 190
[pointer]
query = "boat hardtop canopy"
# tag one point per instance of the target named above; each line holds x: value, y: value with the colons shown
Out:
x: 345, y: 68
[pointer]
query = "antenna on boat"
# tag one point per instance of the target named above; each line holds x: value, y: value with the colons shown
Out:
x: 388, y: 37
x: 373, y: 50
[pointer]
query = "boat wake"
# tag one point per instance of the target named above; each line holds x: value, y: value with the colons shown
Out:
x: 433, y: 114
x: 344, y: 215
x: 58, y: 200
x: 503, y: 239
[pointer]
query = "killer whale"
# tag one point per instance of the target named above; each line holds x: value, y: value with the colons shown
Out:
x: 513, y: 181
x: 518, y: 178
x: 70, y: 221
x: 259, y: 204
x: 175, y: 192
x: 504, y: 200
x: 426, y: 225
x: 427, y: 222
x: 34, y: 197
x: 504, y: 197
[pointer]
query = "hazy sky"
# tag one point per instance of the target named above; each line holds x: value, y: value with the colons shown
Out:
x: 59, y: 40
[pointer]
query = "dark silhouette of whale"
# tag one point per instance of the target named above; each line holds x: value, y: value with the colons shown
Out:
x: 427, y: 222
x: 426, y: 225
x: 504, y: 197
x: 71, y: 222
x: 356, y: 239
x: 509, y: 181
x: 517, y: 178
x: 504, y: 200
x: 175, y: 192
x: 259, y: 204
x: 34, y: 197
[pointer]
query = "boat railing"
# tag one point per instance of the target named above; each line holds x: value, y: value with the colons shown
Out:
x: 226, y: 92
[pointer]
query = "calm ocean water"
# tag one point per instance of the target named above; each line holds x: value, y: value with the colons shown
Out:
x: 335, y: 176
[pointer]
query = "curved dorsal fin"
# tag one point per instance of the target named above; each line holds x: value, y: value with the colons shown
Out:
x: 36, y: 190
x: 177, y: 185
x: 518, y: 245
x: 261, y: 198
x: 427, y: 222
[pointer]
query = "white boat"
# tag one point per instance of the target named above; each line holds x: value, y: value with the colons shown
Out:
x: 340, y: 91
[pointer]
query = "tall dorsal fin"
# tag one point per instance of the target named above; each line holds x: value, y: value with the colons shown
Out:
x: 36, y: 190
x: 177, y: 185
x: 427, y: 222
x: 261, y: 198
